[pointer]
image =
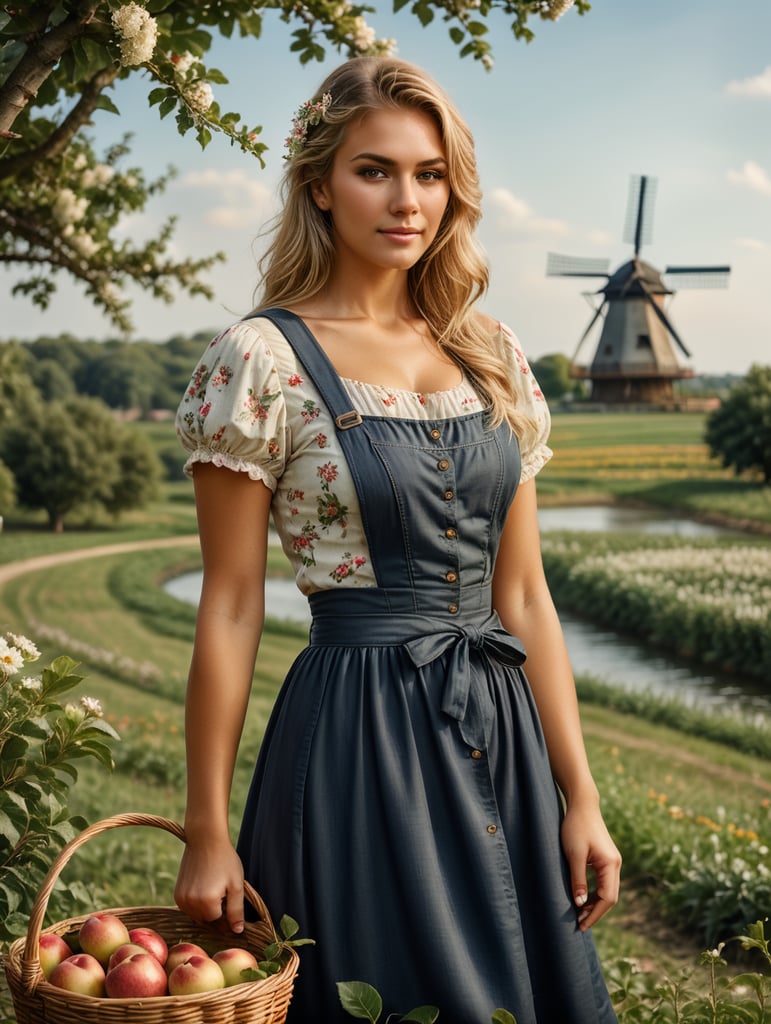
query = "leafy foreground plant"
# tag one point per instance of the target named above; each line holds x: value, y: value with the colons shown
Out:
x: 40, y: 739
x: 638, y: 997
x: 364, y: 1002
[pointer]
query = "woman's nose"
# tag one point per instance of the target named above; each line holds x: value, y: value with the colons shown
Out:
x: 404, y: 199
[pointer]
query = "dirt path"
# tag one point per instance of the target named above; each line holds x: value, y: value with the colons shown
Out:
x: 11, y: 570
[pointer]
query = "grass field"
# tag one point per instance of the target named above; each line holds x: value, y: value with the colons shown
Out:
x: 135, y: 642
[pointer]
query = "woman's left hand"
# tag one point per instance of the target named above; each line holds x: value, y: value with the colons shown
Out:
x: 587, y: 843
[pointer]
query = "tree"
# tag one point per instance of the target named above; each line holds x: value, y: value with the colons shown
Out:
x: 60, y: 201
x: 553, y: 375
x: 739, y: 431
x: 70, y: 454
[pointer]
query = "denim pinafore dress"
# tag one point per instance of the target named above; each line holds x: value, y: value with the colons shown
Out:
x: 402, y: 807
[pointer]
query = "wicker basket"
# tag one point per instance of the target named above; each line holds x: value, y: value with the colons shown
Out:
x: 37, y: 1002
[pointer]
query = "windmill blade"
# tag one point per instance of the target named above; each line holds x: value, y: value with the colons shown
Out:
x: 664, y: 318
x: 699, y: 277
x: 575, y: 266
x: 586, y: 333
x: 638, y: 226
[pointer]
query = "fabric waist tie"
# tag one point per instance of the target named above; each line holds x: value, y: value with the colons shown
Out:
x: 361, y: 619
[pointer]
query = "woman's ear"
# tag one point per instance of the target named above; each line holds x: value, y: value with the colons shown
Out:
x: 320, y: 194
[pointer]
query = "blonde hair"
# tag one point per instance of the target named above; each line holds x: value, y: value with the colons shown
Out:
x: 449, y: 278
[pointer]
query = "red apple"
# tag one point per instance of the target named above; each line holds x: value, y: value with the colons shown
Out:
x: 123, y: 952
x: 101, y: 934
x: 138, y: 976
x: 80, y: 973
x: 233, y: 962
x: 196, y: 974
x: 52, y: 949
x: 152, y: 942
x: 181, y: 952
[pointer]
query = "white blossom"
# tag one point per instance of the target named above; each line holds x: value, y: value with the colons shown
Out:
x: 28, y: 650
x: 363, y: 34
x: 95, y: 177
x: 69, y: 208
x: 33, y: 683
x: 183, y: 62
x: 199, y: 97
x: 552, y: 10
x: 11, y: 659
x: 83, y: 244
x: 138, y: 32
x: 92, y: 706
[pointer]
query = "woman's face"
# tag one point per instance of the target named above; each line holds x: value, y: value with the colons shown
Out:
x: 387, y: 190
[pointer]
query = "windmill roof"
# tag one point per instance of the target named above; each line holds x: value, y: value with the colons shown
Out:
x: 625, y: 279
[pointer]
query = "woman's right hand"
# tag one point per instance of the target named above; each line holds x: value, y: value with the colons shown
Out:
x: 210, y: 884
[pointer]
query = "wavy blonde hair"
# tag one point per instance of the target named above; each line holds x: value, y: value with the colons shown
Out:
x: 452, y: 274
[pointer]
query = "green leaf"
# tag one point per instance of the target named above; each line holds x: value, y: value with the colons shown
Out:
x: 168, y: 104
x: 457, y: 35
x: 360, y: 1000
x: 8, y: 830
x: 422, y: 1015
x: 288, y: 926
x: 503, y: 1017
x: 477, y: 28
x: 398, y: 4
x: 14, y: 748
x: 157, y: 94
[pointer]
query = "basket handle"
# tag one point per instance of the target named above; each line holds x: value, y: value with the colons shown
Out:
x: 30, y: 962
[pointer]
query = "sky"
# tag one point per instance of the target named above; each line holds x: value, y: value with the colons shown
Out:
x: 679, y: 90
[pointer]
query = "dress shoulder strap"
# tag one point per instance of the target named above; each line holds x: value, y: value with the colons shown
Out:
x: 317, y: 364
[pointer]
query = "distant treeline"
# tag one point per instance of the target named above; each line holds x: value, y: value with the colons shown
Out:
x: 143, y: 376
x: 130, y: 375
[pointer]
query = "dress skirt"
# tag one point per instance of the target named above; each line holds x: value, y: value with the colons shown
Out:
x: 403, y: 812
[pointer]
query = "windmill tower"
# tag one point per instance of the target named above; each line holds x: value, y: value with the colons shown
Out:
x: 635, y: 360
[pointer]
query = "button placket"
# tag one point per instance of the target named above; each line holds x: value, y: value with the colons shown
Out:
x: 451, y: 574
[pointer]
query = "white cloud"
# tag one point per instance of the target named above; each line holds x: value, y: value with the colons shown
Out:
x: 751, y: 176
x: 240, y: 199
x: 751, y: 243
x: 758, y: 85
x: 513, y: 216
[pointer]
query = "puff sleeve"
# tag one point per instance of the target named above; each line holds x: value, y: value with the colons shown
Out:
x: 233, y: 412
x: 534, y: 450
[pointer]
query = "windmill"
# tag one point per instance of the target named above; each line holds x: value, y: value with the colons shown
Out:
x: 636, y: 357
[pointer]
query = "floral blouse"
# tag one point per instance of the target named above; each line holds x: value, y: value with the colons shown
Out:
x: 251, y: 407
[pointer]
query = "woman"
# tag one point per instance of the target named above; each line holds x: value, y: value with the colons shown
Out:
x: 403, y: 807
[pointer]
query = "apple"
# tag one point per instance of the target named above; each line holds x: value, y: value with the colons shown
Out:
x: 81, y: 973
x: 122, y: 952
x: 196, y: 974
x: 101, y: 934
x: 233, y: 962
x: 137, y: 976
x: 181, y: 952
x: 152, y: 942
x: 52, y: 949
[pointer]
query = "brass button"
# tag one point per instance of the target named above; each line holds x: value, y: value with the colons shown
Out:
x: 436, y: 434
x: 443, y: 464
x: 476, y: 754
x: 452, y: 609
x: 451, y: 533
x: 451, y: 576
x: 492, y: 829
x: 449, y: 495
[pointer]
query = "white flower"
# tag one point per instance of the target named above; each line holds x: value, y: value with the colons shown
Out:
x: 138, y: 32
x: 83, y: 244
x: 34, y: 683
x: 199, y: 97
x: 91, y: 706
x: 552, y: 10
x: 69, y: 208
x: 363, y: 34
x: 97, y: 176
x: 28, y: 650
x: 11, y: 659
x: 183, y: 62
x: 80, y: 162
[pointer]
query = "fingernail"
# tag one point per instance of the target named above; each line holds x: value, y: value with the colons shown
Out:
x: 580, y: 898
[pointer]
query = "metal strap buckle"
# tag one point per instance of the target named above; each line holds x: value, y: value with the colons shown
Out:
x: 346, y: 420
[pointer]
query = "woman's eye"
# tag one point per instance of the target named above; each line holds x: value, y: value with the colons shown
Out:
x: 432, y: 175
x: 371, y: 172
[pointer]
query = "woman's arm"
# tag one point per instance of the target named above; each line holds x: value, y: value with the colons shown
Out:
x: 233, y: 515
x: 522, y: 599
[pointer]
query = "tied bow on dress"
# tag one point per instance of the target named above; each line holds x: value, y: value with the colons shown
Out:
x: 466, y: 698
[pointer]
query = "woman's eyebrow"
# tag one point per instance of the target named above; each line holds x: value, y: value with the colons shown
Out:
x: 388, y: 162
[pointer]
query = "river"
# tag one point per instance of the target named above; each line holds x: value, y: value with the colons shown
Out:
x: 593, y: 649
